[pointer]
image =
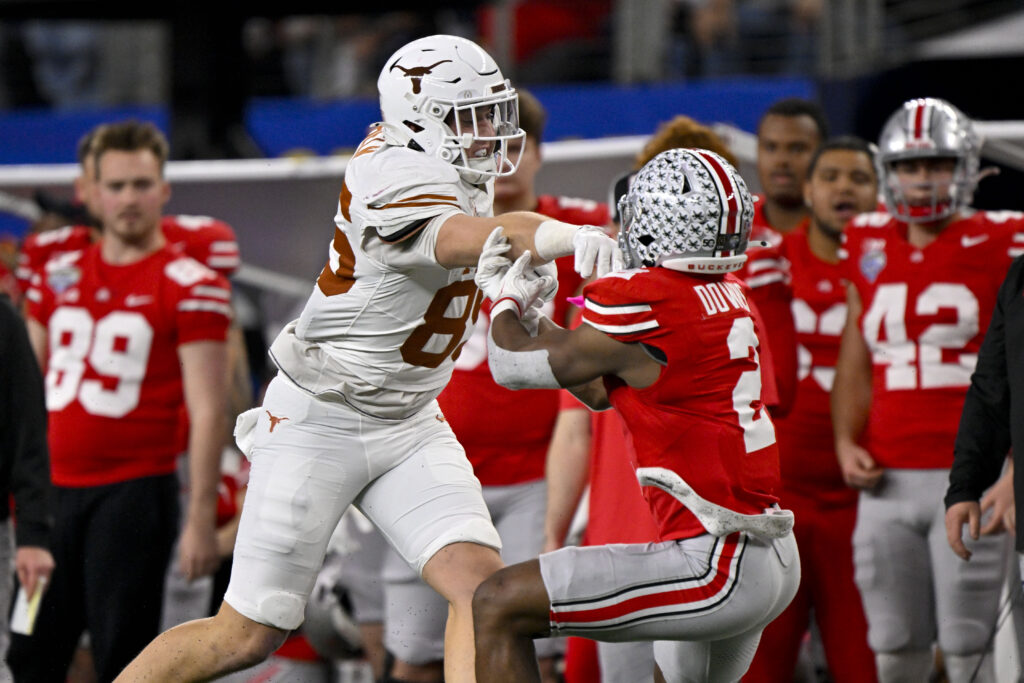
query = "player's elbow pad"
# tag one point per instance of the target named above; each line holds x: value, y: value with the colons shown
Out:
x: 520, y: 369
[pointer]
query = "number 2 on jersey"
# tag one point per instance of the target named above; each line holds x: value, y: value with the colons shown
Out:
x: 116, y: 346
x: 758, y: 431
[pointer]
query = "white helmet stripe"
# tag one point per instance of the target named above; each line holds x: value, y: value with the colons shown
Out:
x: 727, y: 197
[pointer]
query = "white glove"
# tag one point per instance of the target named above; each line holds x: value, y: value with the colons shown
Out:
x: 521, y: 288
x: 548, y: 270
x: 594, y: 247
x: 531, y: 319
x: 492, y: 266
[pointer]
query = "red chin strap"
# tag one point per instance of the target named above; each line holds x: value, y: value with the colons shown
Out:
x: 930, y: 211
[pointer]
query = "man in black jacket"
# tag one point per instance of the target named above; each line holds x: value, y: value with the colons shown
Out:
x: 24, y: 470
x: 991, y: 423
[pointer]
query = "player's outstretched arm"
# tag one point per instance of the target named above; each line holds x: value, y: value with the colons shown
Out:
x: 851, y: 400
x: 461, y: 240
x: 556, y: 357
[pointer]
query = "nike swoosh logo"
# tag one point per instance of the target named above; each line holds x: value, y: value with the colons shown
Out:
x: 969, y: 241
x: 137, y: 300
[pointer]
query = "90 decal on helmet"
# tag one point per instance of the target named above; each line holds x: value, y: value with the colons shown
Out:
x: 689, y: 210
x: 444, y: 95
x: 928, y: 128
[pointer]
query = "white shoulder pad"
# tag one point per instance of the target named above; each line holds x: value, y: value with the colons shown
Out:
x: 396, y: 186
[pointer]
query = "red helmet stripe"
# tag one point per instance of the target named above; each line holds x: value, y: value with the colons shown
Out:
x: 728, y: 196
x: 920, y: 117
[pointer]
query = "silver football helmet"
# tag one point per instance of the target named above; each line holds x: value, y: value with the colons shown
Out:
x: 689, y: 210
x: 929, y: 128
x: 445, y: 96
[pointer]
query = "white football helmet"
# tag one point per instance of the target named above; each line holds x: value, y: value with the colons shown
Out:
x: 689, y: 210
x: 929, y: 128
x: 445, y: 96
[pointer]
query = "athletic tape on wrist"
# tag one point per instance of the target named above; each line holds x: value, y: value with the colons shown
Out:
x: 519, y: 369
x: 554, y: 239
x: 506, y: 303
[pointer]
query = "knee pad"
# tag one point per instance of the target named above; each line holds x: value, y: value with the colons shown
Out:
x: 903, y: 667
x: 977, y: 668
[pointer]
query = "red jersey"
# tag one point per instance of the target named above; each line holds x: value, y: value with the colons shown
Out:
x: 40, y: 247
x: 806, y: 445
x: 925, y: 313
x: 618, y: 512
x: 210, y: 241
x: 207, y: 240
x: 506, y: 433
x: 703, y: 418
x: 113, y: 380
x: 767, y: 273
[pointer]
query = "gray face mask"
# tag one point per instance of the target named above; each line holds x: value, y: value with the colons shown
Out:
x: 929, y: 128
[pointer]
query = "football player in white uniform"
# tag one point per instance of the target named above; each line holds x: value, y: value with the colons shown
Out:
x: 351, y: 415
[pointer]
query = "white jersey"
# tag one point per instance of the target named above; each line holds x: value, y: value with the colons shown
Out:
x: 385, y: 322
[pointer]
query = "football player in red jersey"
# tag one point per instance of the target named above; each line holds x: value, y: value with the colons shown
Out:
x: 128, y: 329
x: 923, y: 279
x: 671, y: 343
x: 506, y: 437
x: 841, y: 183
x: 787, y: 135
x: 612, y: 505
x: 208, y: 240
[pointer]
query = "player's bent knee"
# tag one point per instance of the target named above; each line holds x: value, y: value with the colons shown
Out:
x: 904, y: 666
x: 456, y: 571
x: 496, y: 606
x: 244, y: 642
x: 966, y: 637
x: 489, y: 603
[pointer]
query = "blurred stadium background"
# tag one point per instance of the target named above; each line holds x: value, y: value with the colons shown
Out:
x: 263, y: 105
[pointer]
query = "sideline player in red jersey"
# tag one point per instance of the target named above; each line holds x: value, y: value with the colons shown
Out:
x: 128, y: 330
x: 923, y: 283
x: 208, y: 240
x: 351, y: 417
x: 506, y: 437
x: 787, y: 135
x: 672, y: 345
x: 841, y: 183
